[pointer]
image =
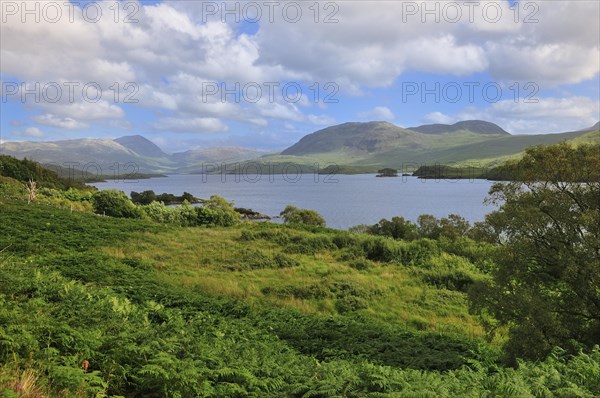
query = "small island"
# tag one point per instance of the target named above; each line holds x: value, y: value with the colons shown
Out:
x: 387, y: 172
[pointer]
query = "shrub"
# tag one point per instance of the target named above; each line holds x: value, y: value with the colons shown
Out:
x: 310, y: 245
x: 158, y: 212
x: 397, y: 228
x: 247, y: 235
x: 293, y: 215
x: 361, y: 264
x: 350, y: 303
x: 115, y: 204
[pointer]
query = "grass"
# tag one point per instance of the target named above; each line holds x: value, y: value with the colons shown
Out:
x: 212, y: 260
x: 251, y: 310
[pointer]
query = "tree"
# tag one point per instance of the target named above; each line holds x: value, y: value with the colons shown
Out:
x: 217, y: 211
x: 546, y: 285
x: 454, y: 226
x: 144, y: 198
x: 387, y: 172
x: 397, y: 228
x: 293, y: 215
x: 428, y: 226
x: 115, y: 204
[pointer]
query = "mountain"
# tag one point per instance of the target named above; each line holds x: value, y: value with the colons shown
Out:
x: 75, y: 151
x: 358, y: 147
x: 147, y: 156
x: 142, y: 146
x: 218, y: 154
x: 474, y: 126
x: 363, y: 139
x: 595, y: 127
x: 358, y: 138
x: 373, y: 145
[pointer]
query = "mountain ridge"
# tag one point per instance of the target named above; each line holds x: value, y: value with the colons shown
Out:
x: 359, y: 145
x: 475, y: 126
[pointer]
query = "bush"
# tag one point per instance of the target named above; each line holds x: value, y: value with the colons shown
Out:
x: 257, y: 259
x: 115, y: 204
x: 397, y: 228
x: 310, y: 245
x: 361, y: 264
x: 158, y: 212
x: 293, y: 215
x: 350, y: 303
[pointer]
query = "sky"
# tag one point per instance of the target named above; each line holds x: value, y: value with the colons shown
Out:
x: 262, y: 74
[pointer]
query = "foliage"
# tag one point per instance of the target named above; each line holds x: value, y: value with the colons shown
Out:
x: 293, y: 215
x: 115, y: 204
x: 293, y: 310
x: 546, y: 285
x: 397, y: 228
x: 25, y: 170
x: 147, y: 197
x: 212, y: 213
x: 387, y: 172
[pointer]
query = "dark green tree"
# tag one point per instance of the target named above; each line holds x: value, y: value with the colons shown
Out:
x: 397, y: 228
x: 428, y: 226
x: 144, y: 198
x: 546, y: 286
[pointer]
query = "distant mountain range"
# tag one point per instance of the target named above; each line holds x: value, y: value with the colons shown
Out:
x: 361, y: 146
x: 130, y: 149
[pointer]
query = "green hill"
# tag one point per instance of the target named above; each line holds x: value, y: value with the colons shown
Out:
x: 475, y: 126
x: 369, y: 146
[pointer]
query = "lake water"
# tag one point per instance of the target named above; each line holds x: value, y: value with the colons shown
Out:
x: 343, y: 200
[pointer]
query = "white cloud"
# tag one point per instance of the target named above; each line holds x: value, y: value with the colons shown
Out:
x: 193, y: 125
x: 65, y: 123
x: 378, y: 113
x: 32, y: 132
x: 439, y: 118
x: 84, y: 110
x: 170, y: 53
x: 553, y: 115
x: 321, y: 120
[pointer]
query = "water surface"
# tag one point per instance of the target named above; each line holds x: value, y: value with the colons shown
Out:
x: 343, y: 200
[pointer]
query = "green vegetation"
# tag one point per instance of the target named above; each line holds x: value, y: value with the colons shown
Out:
x: 293, y: 215
x: 147, y: 197
x: 188, y: 301
x: 25, y: 170
x: 387, y: 172
x: 546, y: 284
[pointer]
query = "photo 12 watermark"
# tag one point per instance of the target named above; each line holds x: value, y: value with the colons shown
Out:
x: 71, y: 92
x: 69, y: 11
x: 325, y: 12
x: 471, y: 92
x: 253, y: 92
x: 490, y: 12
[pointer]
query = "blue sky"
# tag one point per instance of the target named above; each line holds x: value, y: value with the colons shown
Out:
x: 531, y: 67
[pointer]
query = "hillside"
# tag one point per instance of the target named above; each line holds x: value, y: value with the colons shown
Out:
x: 142, y: 146
x: 369, y: 146
x: 354, y: 147
x: 475, y: 126
x: 114, y: 293
x: 147, y: 156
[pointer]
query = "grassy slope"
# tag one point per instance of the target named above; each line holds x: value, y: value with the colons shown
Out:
x: 253, y: 310
x: 459, y: 148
